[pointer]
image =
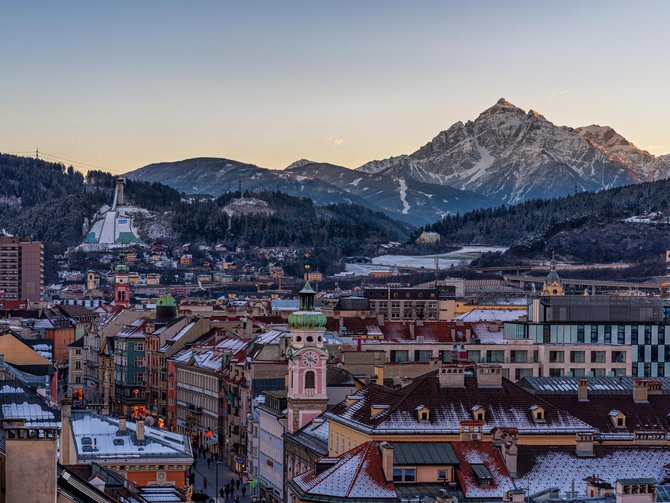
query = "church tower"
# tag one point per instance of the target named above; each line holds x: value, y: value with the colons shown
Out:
x: 307, y: 359
x: 121, y: 284
x: 553, y: 286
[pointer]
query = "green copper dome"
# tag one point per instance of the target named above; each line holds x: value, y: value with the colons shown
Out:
x: 166, y: 300
x: 122, y: 269
x: 307, y: 318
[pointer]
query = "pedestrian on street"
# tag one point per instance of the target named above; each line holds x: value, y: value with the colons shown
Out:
x: 204, y: 481
x: 244, y: 491
x: 221, y: 492
x: 237, y: 499
x: 209, y: 461
x: 237, y: 483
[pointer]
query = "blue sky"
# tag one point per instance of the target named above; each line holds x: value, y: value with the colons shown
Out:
x: 122, y: 84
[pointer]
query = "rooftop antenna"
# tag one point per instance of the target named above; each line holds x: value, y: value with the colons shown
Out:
x: 37, y: 153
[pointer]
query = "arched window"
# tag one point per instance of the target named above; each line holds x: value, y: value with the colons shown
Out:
x: 309, y: 380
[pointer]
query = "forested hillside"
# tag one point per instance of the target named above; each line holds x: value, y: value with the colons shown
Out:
x: 587, y: 226
x: 49, y: 202
x: 294, y: 221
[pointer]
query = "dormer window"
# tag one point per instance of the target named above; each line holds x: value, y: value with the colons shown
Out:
x: 423, y: 413
x: 618, y: 418
x: 378, y: 409
x: 538, y: 414
x: 478, y: 413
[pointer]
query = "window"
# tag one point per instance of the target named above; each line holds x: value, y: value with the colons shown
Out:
x: 577, y: 357
x: 139, y: 347
x: 399, y: 356
x: 647, y: 334
x: 597, y: 356
x: 608, y: 335
x: 633, y: 334
x: 309, y: 380
x: 442, y: 476
x: 519, y: 356
x: 77, y: 380
x: 661, y: 335
x: 77, y: 365
x: 139, y: 362
x: 422, y: 355
x: 495, y: 356
x: 556, y: 356
x: 555, y: 372
x: 594, y: 333
x: 404, y: 475
x: 621, y: 335
x: 618, y: 357
x: 580, y: 333
x: 474, y: 356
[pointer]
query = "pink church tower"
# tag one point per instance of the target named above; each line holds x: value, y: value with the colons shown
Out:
x: 306, y: 396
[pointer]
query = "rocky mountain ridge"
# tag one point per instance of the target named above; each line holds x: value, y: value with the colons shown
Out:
x: 505, y: 156
x: 513, y: 155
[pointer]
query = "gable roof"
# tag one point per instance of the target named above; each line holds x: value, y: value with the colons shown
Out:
x: 479, y: 459
x: 20, y: 402
x: 357, y: 475
x: 540, y: 468
x: 17, y: 352
x: 506, y: 406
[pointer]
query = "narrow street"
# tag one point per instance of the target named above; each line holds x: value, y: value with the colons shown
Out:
x: 226, y: 475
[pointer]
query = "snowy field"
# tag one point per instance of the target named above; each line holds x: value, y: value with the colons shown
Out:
x: 461, y: 256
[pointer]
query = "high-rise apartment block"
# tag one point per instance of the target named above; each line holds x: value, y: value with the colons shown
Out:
x: 21, y: 269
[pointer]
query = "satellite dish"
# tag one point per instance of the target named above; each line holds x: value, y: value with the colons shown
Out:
x: 149, y: 421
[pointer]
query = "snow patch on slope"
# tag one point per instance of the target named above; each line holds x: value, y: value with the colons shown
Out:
x: 402, y: 184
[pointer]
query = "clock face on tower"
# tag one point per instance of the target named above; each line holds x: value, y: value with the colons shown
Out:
x: 310, y: 359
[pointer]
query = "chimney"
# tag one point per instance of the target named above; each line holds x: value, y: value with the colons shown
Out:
x: 514, y: 496
x: 489, y: 376
x: 65, y: 454
x: 584, y: 445
x: 640, y: 391
x: 583, y: 389
x: 654, y: 387
x: 139, y: 430
x: 411, y: 331
x: 122, y: 425
x: 597, y: 487
x: 387, y: 460
x: 471, y: 431
x: 510, y: 455
x: 451, y: 376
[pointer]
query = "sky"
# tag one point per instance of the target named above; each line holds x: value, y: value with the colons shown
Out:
x: 118, y: 85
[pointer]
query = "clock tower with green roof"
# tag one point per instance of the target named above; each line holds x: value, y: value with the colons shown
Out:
x: 307, y: 360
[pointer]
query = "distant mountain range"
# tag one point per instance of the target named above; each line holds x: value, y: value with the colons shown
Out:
x: 504, y: 156
x: 402, y: 198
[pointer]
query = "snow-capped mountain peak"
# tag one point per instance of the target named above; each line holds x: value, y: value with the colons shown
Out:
x: 515, y: 155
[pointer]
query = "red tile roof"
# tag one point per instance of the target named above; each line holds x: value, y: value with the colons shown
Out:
x: 481, y: 453
x: 357, y: 474
x: 431, y: 331
x: 596, y: 412
x: 506, y: 406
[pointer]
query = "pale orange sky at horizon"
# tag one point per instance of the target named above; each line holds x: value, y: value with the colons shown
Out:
x: 119, y: 86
